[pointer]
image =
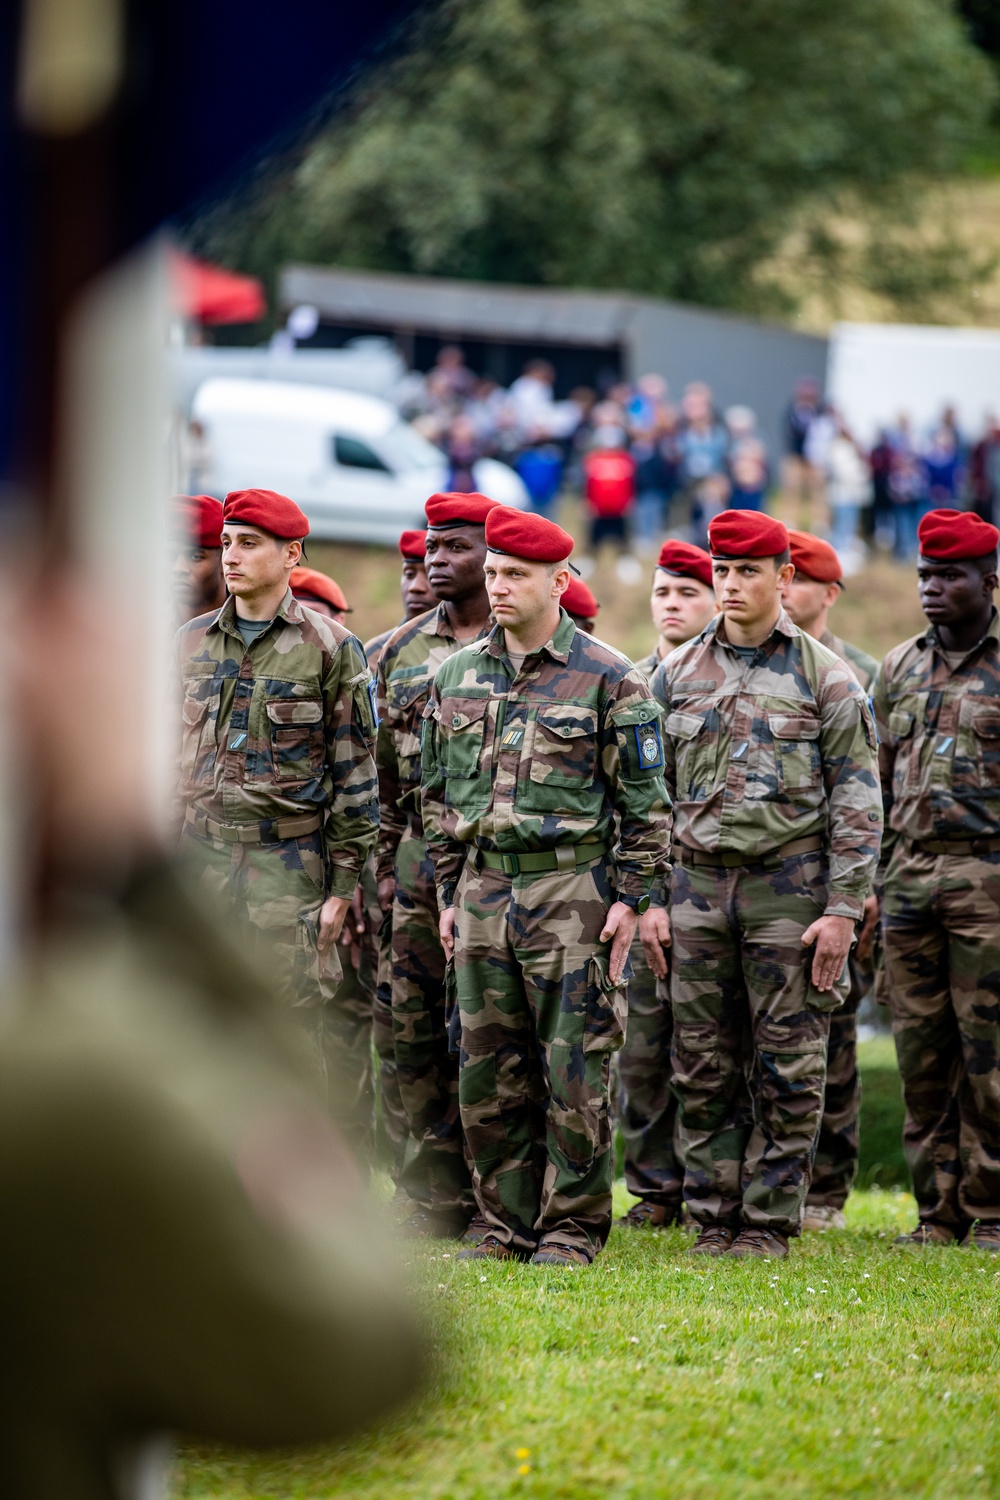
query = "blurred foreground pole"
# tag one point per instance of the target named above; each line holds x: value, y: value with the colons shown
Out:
x: 186, y: 1247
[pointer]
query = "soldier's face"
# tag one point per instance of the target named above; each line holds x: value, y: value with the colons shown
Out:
x: 522, y: 592
x: 748, y: 589
x: 454, y: 561
x: 807, y: 601
x: 253, y: 562
x: 952, y: 592
x: 681, y: 607
x: 417, y: 593
x: 197, y: 579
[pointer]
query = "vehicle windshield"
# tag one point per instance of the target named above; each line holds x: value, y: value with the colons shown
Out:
x: 403, y: 448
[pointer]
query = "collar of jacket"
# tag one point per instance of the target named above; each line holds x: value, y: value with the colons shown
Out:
x: 930, y: 635
x: 557, y: 646
x: 225, y: 620
x: 782, y: 626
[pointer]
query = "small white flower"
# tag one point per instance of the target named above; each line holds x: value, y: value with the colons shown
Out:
x: 482, y: 1278
x: 818, y: 1375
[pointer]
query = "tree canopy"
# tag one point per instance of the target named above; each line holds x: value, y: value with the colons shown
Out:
x: 659, y: 146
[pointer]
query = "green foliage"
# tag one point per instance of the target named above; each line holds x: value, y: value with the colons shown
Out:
x: 662, y: 146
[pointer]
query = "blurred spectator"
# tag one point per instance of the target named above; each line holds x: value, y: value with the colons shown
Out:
x: 710, y: 496
x: 906, y: 490
x: 609, y: 486
x: 541, y: 467
x: 798, y: 478
x: 984, y: 471
x: 657, y: 457
x: 703, y: 442
x: 451, y: 380
x: 463, y: 451
x: 880, y: 463
x: 848, y: 488
x: 942, y: 460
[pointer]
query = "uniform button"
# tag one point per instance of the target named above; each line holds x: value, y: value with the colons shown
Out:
x: 643, y: 714
x: 565, y: 729
x: 456, y: 720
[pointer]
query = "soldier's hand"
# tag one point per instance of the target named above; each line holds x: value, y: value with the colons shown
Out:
x: 386, y: 891
x: 331, y: 921
x: 833, y: 937
x: 446, y: 929
x: 869, y: 927
x: 654, y: 930
x: 619, y: 928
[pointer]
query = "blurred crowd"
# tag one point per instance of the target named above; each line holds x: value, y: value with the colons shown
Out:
x: 649, y: 466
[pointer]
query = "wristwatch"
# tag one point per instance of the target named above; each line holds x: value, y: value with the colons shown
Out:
x: 639, y: 904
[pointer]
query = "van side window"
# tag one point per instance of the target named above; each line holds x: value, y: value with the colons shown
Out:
x: 354, y: 454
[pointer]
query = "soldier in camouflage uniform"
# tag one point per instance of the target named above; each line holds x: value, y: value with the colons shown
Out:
x: 197, y: 571
x: 682, y: 603
x: 375, y: 926
x: 278, y: 781
x: 546, y: 813
x: 770, y: 756
x: 937, y: 702
x: 808, y: 599
x: 436, y: 1176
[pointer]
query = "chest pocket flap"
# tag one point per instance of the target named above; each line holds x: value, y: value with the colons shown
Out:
x: 565, y: 745
x: 294, y: 711
x: 402, y: 695
x: 793, y: 727
x: 463, y: 724
x: 986, y: 723
x: 682, y: 726
x: 901, y: 723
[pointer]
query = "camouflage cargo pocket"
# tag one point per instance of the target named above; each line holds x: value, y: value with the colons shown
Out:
x: 607, y: 1007
x: 199, y: 727
x: 695, y: 753
x: 461, y: 734
x: 298, y: 747
x: 310, y: 966
x: 979, y: 740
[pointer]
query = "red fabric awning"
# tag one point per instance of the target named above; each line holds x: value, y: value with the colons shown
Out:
x: 211, y: 295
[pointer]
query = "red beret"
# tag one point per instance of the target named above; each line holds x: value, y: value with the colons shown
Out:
x: 687, y: 561
x: 578, y: 600
x: 955, y: 536
x: 522, y: 533
x: 306, y: 584
x: 815, y: 558
x: 270, y: 511
x: 746, y: 533
x: 458, y: 510
x: 413, y: 546
x: 201, y: 517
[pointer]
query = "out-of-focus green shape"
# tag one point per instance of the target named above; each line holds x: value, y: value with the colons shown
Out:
x: 185, y: 1243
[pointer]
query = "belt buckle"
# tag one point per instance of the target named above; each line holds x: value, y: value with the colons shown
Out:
x: 510, y: 863
x: 731, y: 859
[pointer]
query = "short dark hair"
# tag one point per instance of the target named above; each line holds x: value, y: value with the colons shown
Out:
x: 780, y: 558
x: 989, y: 563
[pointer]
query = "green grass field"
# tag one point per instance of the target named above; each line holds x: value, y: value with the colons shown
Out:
x: 849, y: 1369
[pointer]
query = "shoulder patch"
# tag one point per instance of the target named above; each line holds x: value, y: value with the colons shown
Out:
x: 648, y: 746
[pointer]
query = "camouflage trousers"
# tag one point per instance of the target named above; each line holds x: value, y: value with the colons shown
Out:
x: 375, y: 976
x: 275, y: 892
x: 648, y: 1113
x: 750, y: 1038
x: 435, y: 1174
x: 941, y: 946
x: 539, y: 1023
x: 836, y: 1163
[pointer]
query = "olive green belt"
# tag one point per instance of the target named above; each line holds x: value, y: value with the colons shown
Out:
x: 266, y: 831
x: 732, y: 859
x: 956, y: 846
x: 566, y: 857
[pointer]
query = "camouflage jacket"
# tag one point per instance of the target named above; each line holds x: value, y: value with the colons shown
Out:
x: 406, y: 669
x: 764, y: 752
x: 649, y: 664
x: 567, y: 750
x: 939, y: 729
x: 280, y: 729
x: 864, y: 666
x: 374, y: 647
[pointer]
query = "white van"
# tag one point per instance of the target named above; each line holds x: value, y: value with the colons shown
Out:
x: 360, y: 473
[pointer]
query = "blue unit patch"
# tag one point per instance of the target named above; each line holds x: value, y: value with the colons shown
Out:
x: 649, y: 747
x: 373, y: 699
